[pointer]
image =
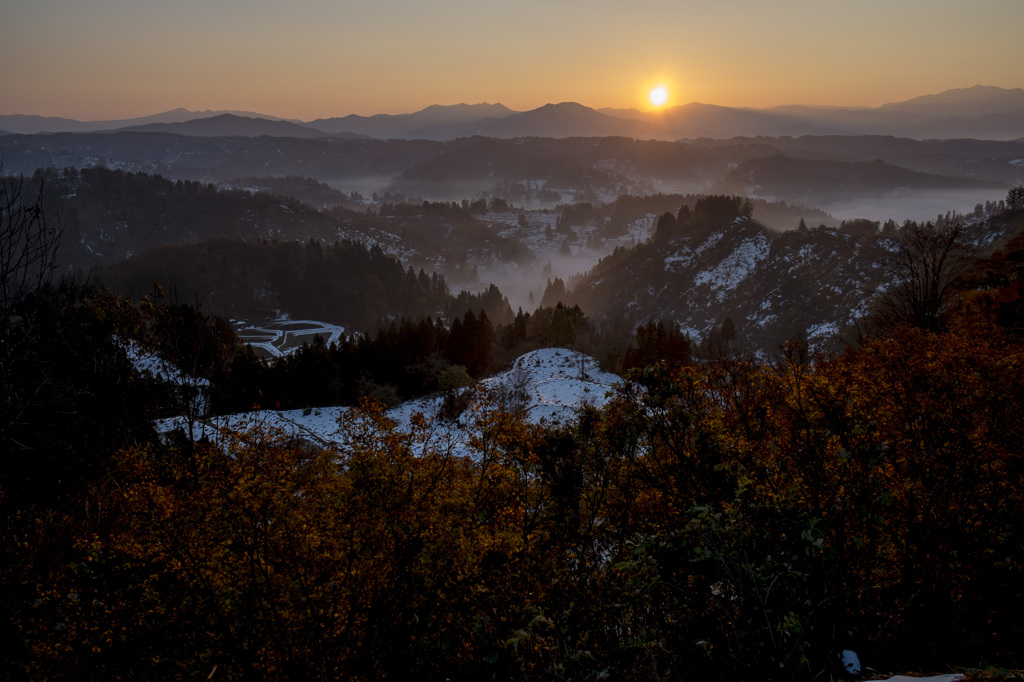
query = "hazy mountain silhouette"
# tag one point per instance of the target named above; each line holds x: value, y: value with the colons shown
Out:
x: 981, y: 112
x: 978, y: 101
x: 436, y: 122
x: 799, y: 180
x: 697, y: 120
x: 25, y: 124
x: 621, y: 113
x: 570, y: 119
x: 230, y: 125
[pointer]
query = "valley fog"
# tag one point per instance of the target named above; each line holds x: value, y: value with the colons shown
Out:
x: 913, y: 205
x: 525, y: 285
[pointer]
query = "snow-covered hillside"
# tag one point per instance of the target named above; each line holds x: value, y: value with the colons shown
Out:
x: 547, y: 386
x: 811, y: 283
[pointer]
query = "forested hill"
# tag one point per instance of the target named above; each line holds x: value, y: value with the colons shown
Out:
x: 217, y: 158
x: 108, y: 216
x: 345, y: 283
x: 716, y: 263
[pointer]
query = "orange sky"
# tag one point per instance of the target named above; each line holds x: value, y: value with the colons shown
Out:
x: 306, y: 59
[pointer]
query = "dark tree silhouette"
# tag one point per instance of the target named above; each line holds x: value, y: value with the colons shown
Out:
x: 1015, y: 198
x: 925, y: 270
x: 728, y: 330
x: 29, y: 239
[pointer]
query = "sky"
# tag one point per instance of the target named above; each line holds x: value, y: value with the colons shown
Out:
x: 308, y: 59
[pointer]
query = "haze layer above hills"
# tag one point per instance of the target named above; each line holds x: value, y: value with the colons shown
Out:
x: 980, y: 112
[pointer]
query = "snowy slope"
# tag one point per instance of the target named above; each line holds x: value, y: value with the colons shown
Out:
x: 557, y: 382
x: 773, y: 285
x: 812, y: 283
x: 548, y: 385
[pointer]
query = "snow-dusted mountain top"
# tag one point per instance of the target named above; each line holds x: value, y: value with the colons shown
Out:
x: 547, y: 386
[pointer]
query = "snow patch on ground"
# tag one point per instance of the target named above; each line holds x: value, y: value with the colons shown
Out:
x: 735, y: 267
x: 823, y: 330
x: 557, y: 381
x: 708, y: 243
x: 680, y: 259
x: 148, y: 364
x: 547, y: 385
x: 192, y: 391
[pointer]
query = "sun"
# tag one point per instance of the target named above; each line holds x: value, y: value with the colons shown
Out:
x: 658, y: 96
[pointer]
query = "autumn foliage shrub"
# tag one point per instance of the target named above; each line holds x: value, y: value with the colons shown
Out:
x: 731, y: 519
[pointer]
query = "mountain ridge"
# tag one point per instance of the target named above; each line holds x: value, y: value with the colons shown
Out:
x: 30, y: 124
x: 230, y: 125
x: 446, y: 121
x: 980, y: 111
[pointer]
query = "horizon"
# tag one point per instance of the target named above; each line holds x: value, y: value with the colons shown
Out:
x: 648, y: 110
x: 95, y: 60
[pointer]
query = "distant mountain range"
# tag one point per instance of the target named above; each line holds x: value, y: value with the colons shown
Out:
x: 542, y: 171
x: 980, y: 112
x: 19, y: 123
x: 232, y: 125
x: 433, y: 123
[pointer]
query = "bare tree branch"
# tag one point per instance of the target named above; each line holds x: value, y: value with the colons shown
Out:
x: 29, y: 241
x: 925, y: 271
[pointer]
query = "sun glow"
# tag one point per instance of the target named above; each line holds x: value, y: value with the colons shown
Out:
x: 658, y: 96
